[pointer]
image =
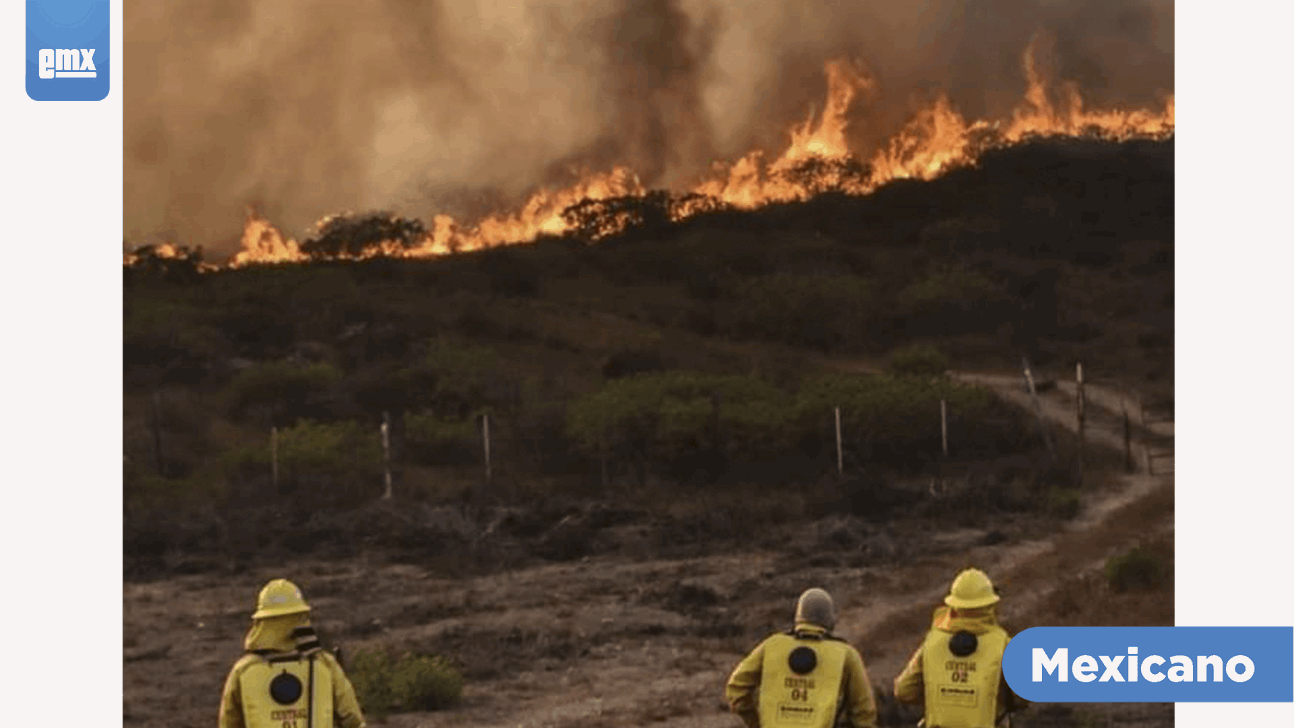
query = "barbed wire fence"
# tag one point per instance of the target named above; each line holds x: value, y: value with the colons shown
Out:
x: 505, y: 449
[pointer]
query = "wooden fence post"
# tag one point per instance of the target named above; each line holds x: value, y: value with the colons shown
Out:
x: 485, y: 436
x: 840, y: 452
x: 1037, y: 407
x: 386, y: 454
x: 1127, y: 436
x: 1081, y: 416
x: 1148, y: 444
x: 274, y: 457
x: 943, y: 423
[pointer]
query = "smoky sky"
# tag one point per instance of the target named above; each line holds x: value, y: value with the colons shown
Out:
x: 311, y: 107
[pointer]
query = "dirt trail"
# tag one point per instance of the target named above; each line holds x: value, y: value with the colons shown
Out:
x: 1103, y: 419
x: 612, y: 641
x: 1137, y: 507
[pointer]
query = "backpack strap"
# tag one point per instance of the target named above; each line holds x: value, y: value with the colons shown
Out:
x: 310, y: 692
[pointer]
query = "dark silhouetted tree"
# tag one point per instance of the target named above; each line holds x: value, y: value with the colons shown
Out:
x: 356, y: 235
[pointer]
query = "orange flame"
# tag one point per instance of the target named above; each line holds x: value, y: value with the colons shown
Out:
x: 747, y: 183
x: 168, y: 251
x: 1039, y: 116
x: 165, y: 251
x: 844, y: 81
x: 263, y: 243
x: 936, y: 139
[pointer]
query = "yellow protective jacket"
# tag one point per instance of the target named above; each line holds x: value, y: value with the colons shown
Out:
x: 767, y: 692
x: 959, y: 692
x: 270, y: 651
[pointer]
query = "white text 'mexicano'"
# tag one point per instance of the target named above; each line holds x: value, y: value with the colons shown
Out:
x: 1084, y: 667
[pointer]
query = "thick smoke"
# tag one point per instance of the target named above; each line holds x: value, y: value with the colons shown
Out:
x: 306, y: 108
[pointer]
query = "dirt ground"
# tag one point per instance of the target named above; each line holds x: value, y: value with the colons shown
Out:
x: 623, y: 640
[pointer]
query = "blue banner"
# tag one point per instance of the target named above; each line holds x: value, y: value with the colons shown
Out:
x: 1152, y: 664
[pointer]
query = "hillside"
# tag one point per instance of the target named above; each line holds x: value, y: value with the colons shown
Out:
x: 663, y: 468
x: 669, y: 363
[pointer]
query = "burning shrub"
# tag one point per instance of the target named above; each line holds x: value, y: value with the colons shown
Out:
x: 816, y: 174
x: 591, y: 220
x: 172, y: 263
x: 594, y: 219
x: 355, y: 236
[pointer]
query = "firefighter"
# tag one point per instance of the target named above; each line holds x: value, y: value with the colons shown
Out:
x: 956, y: 673
x: 805, y: 677
x: 285, y: 679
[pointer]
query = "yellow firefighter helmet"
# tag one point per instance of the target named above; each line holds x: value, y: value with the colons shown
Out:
x: 971, y: 590
x: 278, y: 598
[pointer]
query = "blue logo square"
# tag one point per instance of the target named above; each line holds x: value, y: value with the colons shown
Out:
x: 67, y: 50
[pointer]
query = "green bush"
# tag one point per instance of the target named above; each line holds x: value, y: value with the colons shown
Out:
x: 895, y: 420
x: 951, y: 301
x: 512, y: 274
x: 166, y: 343
x: 1135, y: 570
x: 819, y: 311
x: 918, y: 361
x: 283, y: 392
x: 952, y: 287
x: 143, y: 488
x: 662, y: 416
x: 411, y: 682
x: 960, y: 233
x: 1064, y: 503
x: 457, y: 380
x: 310, y: 444
x: 425, y: 682
x: 320, y: 463
x: 432, y: 439
x: 370, y: 673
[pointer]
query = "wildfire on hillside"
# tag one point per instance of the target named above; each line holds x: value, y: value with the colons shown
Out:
x: 164, y: 250
x: 151, y: 254
x: 935, y: 140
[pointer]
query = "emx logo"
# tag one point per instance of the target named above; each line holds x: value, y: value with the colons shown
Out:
x: 67, y: 63
x: 67, y: 50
